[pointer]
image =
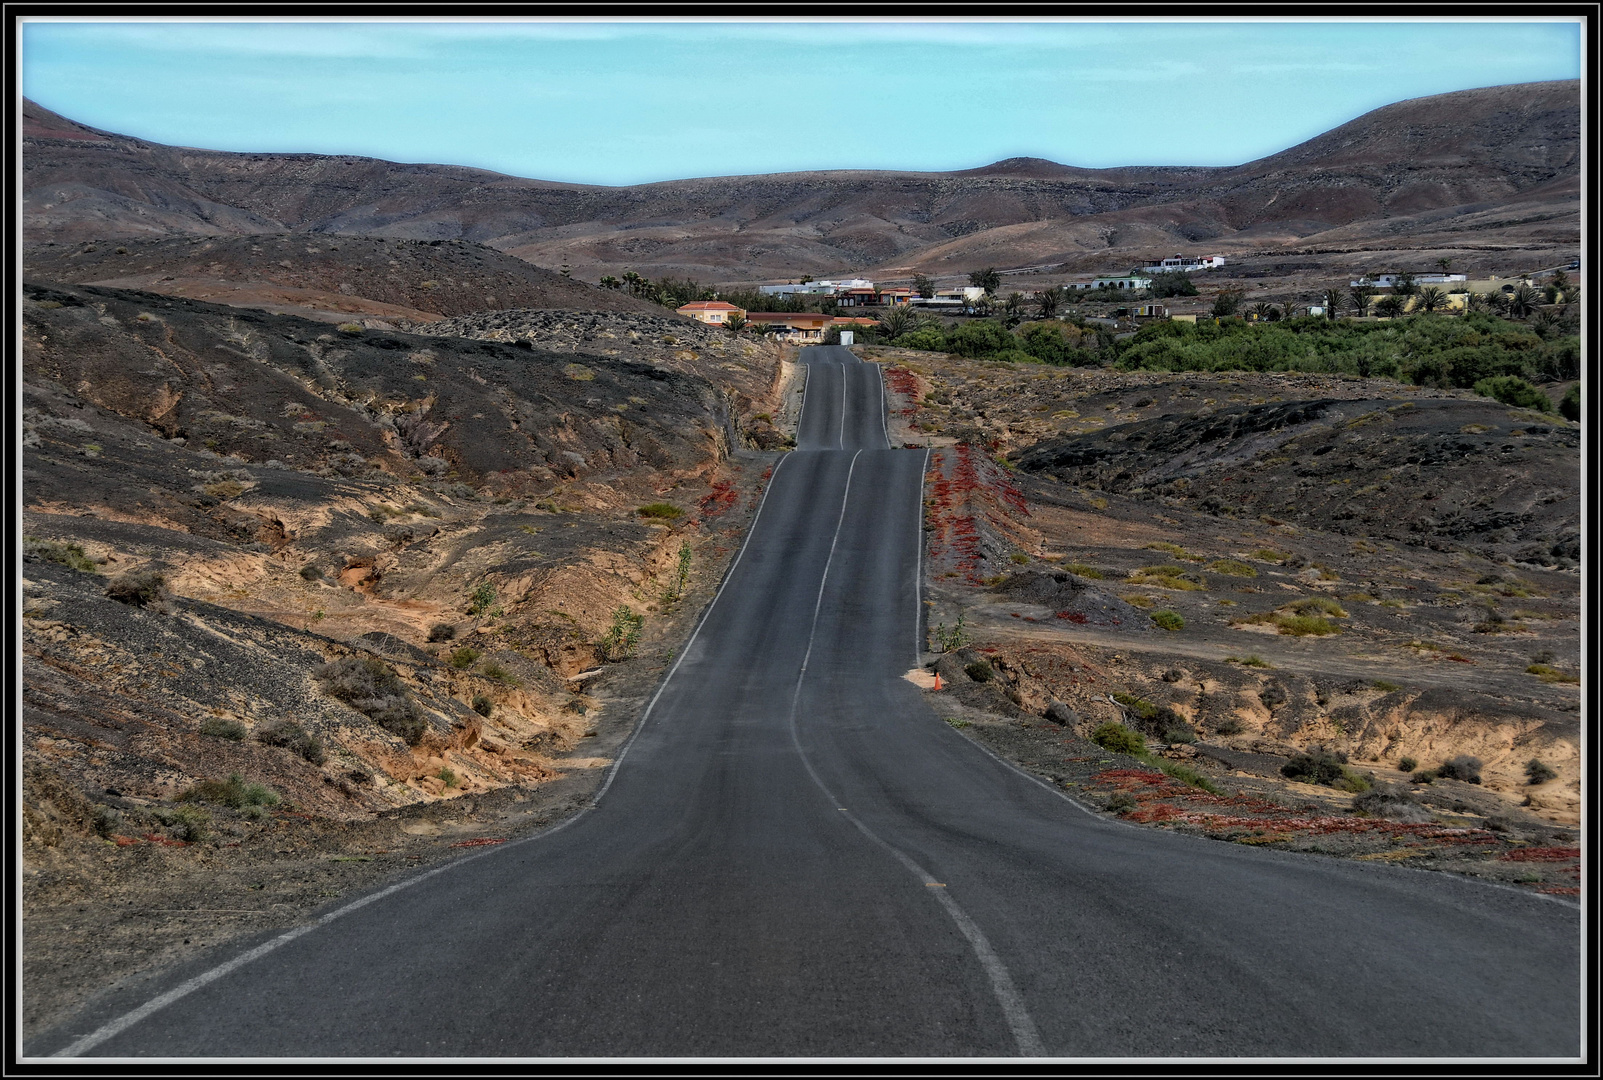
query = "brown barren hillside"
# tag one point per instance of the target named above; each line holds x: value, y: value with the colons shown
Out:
x: 1451, y: 156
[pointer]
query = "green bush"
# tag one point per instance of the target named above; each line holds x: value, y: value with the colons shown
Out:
x: 291, y: 736
x: 492, y: 670
x: 465, y: 657
x: 979, y: 670
x: 233, y: 793
x: 482, y: 705
x: 623, y: 636
x: 442, y: 631
x: 1407, y: 764
x: 1569, y: 407
x: 138, y: 588
x: 71, y: 555
x: 482, y: 600
x: 661, y: 511
x: 928, y: 338
x: 1168, y: 620
x: 1513, y: 390
x: 1086, y: 571
x: 1119, y: 739
x: 311, y: 572
x: 1187, y: 775
x: 1317, y: 766
x: 1233, y: 567
x: 191, y: 823
x: 1537, y: 772
x: 1121, y: 802
x: 372, y: 688
x: 219, y: 728
x: 1464, y: 767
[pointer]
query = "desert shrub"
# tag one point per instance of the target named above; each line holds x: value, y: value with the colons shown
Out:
x: 138, y: 587
x: 1120, y: 802
x: 1317, y: 766
x: 1169, y: 576
x: 929, y: 338
x: 1390, y: 802
x: 1168, y: 620
x: 1228, y: 724
x: 1187, y: 775
x: 1138, y: 601
x: 72, y: 555
x: 1550, y: 674
x: 1537, y: 772
x: 1165, y: 546
x: 216, y: 726
x: 481, y: 601
x: 661, y: 511
x: 492, y: 670
x: 1233, y: 567
x: 1384, y: 686
x: 1351, y: 781
x: 372, y: 688
x: 105, y: 822
x: 1249, y: 661
x: 482, y: 705
x: 1316, y: 605
x: 447, y: 777
x: 1180, y: 735
x: 1464, y: 767
x: 465, y: 657
x: 1569, y: 407
x: 1424, y: 776
x: 1086, y: 571
x: 191, y: 823
x: 1271, y: 555
x: 623, y: 635
x: 442, y: 631
x: 1019, y: 557
x: 311, y: 572
x: 349, y: 328
x: 979, y: 670
x: 1513, y: 390
x: 1407, y: 764
x: 233, y: 793
x: 291, y: 736
x: 1119, y: 739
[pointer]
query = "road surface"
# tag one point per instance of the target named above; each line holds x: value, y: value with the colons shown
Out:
x: 796, y: 857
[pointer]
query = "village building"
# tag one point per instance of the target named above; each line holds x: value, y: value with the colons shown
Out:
x: 1185, y: 264
x: 714, y: 312
x: 795, y: 327
x: 1122, y: 281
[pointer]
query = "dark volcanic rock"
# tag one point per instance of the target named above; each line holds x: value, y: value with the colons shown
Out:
x: 1072, y: 598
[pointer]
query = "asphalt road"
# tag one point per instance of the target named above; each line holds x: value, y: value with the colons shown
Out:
x: 796, y: 857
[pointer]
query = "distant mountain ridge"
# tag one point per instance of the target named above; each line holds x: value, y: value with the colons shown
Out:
x: 1462, y: 153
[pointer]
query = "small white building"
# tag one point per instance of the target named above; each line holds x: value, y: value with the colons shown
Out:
x: 1185, y: 264
x: 1122, y: 281
x: 816, y: 288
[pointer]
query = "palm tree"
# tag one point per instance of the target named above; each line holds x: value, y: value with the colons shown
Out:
x: 1334, y: 302
x: 1359, y: 298
x: 1445, y: 264
x: 987, y: 279
x: 1523, y: 301
x: 1047, y: 301
x: 1391, y: 306
x: 899, y: 320
x: 1264, y: 312
x: 1475, y: 302
x: 1432, y: 298
x: 735, y: 323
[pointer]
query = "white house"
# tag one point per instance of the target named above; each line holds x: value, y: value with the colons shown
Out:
x: 1185, y: 264
x: 1122, y: 281
x: 816, y: 288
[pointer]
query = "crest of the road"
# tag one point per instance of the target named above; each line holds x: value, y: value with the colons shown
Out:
x: 795, y: 857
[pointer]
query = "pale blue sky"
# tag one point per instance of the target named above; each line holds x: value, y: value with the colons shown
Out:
x: 621, y: 102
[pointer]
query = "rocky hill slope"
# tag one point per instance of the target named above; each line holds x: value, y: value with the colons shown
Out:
x: 1450, y: 155
x: 333, y: 278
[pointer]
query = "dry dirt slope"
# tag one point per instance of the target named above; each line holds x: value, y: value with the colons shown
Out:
x: 1464, y: 152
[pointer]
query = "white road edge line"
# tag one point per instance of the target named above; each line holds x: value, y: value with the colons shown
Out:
x: 884, y: 424
x: 918, y: 572
x: 1017, y: 1014
x: 189, y: 986
x: 842, y: 440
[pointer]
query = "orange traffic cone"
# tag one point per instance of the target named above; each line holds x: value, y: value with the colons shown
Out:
x: 937, y: 680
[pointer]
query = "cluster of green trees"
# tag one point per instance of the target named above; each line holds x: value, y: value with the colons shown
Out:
x: 1428, y: 349
x: 1480, y: 350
